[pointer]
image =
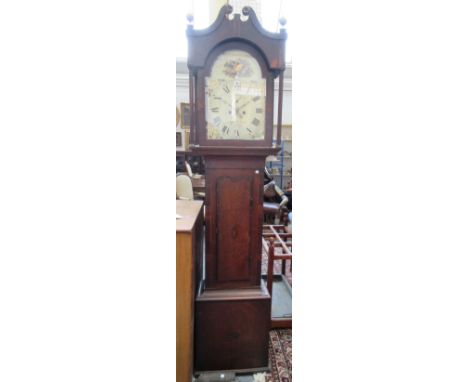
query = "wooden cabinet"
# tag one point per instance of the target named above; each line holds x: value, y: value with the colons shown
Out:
x: 189, y: 241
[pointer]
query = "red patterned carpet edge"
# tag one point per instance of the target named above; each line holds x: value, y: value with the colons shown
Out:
x: 280, y: 350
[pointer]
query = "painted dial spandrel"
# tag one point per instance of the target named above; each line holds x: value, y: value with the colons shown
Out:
x: 235, y: 98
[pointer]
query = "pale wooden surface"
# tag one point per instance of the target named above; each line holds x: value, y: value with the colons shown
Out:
x: 185, y: 284
x: 188, y: 210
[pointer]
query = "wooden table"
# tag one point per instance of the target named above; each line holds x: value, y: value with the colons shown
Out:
x: 198, y: 184
x: 189, y: 241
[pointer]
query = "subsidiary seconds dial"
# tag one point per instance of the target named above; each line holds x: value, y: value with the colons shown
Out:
x: 235, y: 98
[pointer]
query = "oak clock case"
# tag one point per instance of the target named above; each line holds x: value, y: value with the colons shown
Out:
x: 232, y: 68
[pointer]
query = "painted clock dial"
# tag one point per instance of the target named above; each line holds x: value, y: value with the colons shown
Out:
x: 235, y: 98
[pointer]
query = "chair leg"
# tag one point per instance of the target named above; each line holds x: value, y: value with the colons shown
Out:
x: 271, y: 254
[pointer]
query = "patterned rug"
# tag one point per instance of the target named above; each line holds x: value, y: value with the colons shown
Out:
x: 280, y: 356
x: 281, y: 339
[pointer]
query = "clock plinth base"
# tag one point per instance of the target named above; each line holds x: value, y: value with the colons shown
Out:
x: 232, y: 330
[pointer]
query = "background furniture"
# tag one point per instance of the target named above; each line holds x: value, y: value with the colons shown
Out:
x: 180, y: 139
x: 277, y: 244
x: 274, y: 202
x: 196, y: 162
x: 280, y: 165
x: 198, y: 182
x: 184, y: 188
x: 275, y: 165
x: 274, y: 213
x: 189, y: 241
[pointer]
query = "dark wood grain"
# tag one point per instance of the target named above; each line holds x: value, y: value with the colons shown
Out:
x: 234, y: 213
x: 202, y: 42
x: 233, y: 218
x: 232, y: 333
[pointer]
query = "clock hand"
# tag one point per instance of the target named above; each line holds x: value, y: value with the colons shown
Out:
x: 245, y: 104
x: 240, y: 107
x: 233, y: 106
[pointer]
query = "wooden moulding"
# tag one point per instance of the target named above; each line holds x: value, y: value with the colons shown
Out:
x: 202, y: 42
x: 235, y: 294
x: 234, y: 151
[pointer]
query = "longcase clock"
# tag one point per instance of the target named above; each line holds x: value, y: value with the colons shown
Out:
x: 233, y: 67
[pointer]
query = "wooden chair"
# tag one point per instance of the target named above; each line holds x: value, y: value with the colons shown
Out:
x: 274, y: 204
x: 277, y: 243
x: 197, y: 193
x: 274, y: 212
